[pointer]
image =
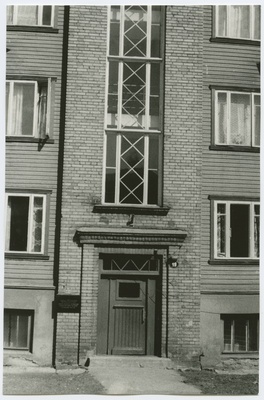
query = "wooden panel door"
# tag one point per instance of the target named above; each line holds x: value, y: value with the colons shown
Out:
x: 127, y: 317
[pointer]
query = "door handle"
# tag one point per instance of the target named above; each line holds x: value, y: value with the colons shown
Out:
x: 143, y: 315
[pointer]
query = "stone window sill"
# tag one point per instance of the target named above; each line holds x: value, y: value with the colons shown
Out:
x: 235, y: 41
x: 26, y: 256
x: 247, y: 149
x: 148, y: 210
x: 26, y: 28
x: 233, y: 262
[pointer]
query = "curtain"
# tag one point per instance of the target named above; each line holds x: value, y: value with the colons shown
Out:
x: 17, y: 110
x: 240, y: 119
x: 256, y: 236
x: 42, y: 111
x: 239, y: 23
x: 37, y: 225
x: 27, y: 15
x: 222, y: 119
x: 9, y: 15
x: 8, y: 222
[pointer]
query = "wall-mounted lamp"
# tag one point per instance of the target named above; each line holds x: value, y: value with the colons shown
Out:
x: 172, y: 260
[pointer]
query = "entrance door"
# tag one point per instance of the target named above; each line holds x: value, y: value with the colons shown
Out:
x: 127, y: 317
x: 129, y: 305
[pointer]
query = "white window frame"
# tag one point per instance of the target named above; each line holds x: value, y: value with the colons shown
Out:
x: 40, y: 16
x: 119, y: 131
x: 31, y: 197
x: 35, y: 128
x: 228, y: 121
x: 229, y: 22
x: 228, y: 229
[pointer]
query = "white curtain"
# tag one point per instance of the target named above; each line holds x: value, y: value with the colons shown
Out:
x: 240, y: 123
x: 9, y: 14
x: 8, y: 222
x: 17, y: 110
x: 222, y: 119
x: 42, y: 112
x: 36, y: 238
x: 239, y: 23
x: 27, y: 15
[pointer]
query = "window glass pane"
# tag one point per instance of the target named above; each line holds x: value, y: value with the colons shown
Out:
x: 135, y: 31
x: 239, y: 224
x: 133, y: 96
x: 153, y: 170
x: 132, y: 169
x: 18, y: 222
x: 256, y: 230
x: 9, y: 15
x: 253, y: 334
x: 256, y: 22
x: 155, y: 96
x: 111, y: 151
x: 23, y: 109
x: 221, y: 230
x: 221, y: 110
x: 114, y: 30
x: 222, y: 21
x: 27, y: 15
x: 155, y: 32
x: 7, y: 323
x: 47, y: 13
x: 227, y: 335
x: 110, y: 169
x: 42, y: 110
x: 257, y: 120
x: 13, y: 330
x: 7, y: 102
x: 240, y: 127
x: 22, y: 337
x: 239, y: 25
x: 129, y: 289
x: 112, y: 95
x: 240, y: 335
x: 37, y: 222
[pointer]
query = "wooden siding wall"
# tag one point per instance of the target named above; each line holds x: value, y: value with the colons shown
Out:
x: 226, y: 173
x: 36, y: 54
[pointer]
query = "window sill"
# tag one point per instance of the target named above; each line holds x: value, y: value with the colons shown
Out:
x: 26, y: 256
x: 245, y: 354
x: 235, y: 148
x: 26, y: 28
x: 147, y: 210
x: 233, y: 262
x: 27, y: 139
x: 235, y: 41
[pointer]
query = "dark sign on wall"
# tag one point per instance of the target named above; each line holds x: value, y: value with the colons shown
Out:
x: 66, y: 303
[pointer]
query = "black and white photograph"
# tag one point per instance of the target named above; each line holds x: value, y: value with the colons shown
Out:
x: 131, y: 199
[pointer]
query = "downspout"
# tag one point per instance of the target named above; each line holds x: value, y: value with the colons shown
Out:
x: 60, y: 169
x: 167, y: 306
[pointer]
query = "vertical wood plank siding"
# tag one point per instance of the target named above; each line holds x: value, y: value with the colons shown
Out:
x: 226, y: 173
x: 35, y: 54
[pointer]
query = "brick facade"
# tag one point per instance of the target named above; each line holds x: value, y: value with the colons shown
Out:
x: 82, y: 181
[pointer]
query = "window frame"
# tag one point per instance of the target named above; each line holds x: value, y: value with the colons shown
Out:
x: 37, y: 82
x: 245, y: 318
x: 30, y: 329
x: 233, y: 38
x: 31, y: 197
x: 229, y: 91
x: 40, y: 17
x: 119, y: 132
x: 228, y: 203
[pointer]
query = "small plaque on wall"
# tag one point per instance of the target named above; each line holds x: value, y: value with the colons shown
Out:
x: 66, y: 303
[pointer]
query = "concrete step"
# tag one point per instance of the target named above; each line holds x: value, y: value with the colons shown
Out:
x: 130, y: 361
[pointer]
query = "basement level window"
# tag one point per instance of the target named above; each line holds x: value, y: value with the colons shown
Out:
x: 33, y: 15
x: 241, y: 332
x: 238, y: 22
x: 18, y: 329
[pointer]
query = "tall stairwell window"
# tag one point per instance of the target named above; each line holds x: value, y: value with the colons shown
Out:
x: 133, y: 123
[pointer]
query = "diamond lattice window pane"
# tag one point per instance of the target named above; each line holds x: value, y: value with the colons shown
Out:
x: 135, y: 31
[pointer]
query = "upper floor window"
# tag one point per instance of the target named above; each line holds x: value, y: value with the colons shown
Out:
x: 236, y: 229
x: 27, y: 108
x: 133, y: 126
x: 25, y: 223
x: 30, y: 15
x: 237, y: 118
x: 238, y: 22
